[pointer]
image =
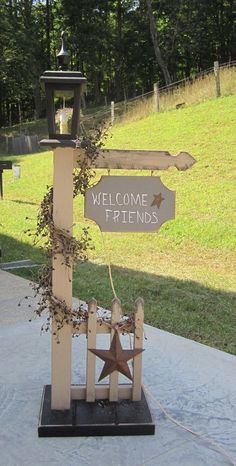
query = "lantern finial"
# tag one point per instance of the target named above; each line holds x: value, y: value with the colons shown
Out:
x: 63, y: 55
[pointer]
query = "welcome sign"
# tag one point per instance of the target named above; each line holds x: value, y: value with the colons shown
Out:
x: 129, y: 203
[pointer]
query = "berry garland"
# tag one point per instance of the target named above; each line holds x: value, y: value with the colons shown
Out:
x: 58, y: 241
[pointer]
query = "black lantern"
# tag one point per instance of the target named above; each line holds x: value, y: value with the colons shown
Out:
x: 63, y: 100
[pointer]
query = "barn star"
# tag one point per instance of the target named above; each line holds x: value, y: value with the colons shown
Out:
x: 116, y: 358
x: 157, y: 200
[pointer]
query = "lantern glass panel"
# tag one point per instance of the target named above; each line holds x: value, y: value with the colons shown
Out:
x: 63, y: 104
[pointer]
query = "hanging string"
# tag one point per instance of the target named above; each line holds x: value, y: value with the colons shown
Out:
x: 173, y: 420
x: 109, y: 267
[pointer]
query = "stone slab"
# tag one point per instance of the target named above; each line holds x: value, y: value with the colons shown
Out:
x: 194, y: 383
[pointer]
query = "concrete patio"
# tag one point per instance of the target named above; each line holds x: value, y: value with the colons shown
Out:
x: 194, y: 383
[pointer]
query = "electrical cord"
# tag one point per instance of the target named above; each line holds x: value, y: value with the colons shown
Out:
x: 179, y: 424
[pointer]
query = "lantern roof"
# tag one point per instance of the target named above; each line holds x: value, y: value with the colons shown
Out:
x: 63, y: 77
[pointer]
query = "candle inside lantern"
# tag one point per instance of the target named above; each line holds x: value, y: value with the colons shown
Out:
x: 63, y: 119
x: 63, y: 122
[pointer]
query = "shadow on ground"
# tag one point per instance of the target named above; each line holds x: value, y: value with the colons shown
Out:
x: 23, y: 202
x: 183, y: 307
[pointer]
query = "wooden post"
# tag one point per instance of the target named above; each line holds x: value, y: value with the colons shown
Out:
x: 62, y: 278
x: 156, y: 97
x: 91, y: 358
x: 112, y: 112
x: 138, y: 344
x: 19, y: 113
x: 217, y: 77
x: 1, y: 185
x: 125, y: 102
x: 10, y: 115
x: 114, y: 377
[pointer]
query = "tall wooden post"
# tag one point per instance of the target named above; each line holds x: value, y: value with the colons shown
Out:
x: 217, y: 77
x: 62, y: 278
x: 1, y: 185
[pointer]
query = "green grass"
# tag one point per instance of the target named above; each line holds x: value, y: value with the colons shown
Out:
x: 186, y: 271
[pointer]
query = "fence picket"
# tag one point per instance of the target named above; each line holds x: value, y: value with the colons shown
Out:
x: 138, y: 344
x: 90, y: 392
x: 91, y: 358
x: 114, y: 377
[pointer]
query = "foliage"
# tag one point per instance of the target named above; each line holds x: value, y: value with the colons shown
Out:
x: 59, y: 244
x: 110, y: 42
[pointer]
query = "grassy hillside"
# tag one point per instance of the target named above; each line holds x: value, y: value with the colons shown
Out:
x: 188, y: 93
x: 205, y: 217
x: 186, y: 271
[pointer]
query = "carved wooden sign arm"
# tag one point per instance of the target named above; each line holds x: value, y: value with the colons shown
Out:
x: 137, y: 159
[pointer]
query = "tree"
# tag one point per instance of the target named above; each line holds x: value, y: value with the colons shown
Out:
x: 122, y: 47
x: 158, y: 54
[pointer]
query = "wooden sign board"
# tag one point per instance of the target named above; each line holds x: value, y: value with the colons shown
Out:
x: 129, y: 203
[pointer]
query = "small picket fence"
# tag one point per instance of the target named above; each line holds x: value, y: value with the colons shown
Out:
x: 113, y: 391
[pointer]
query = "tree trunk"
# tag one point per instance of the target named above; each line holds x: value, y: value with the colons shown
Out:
x: 48, y: 39
x: 157, y: 50
x: 118, y: 54
x: 37, y: 101
x: 19, y: 114
x: 96, y: 88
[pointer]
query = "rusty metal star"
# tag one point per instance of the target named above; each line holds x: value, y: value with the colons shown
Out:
x: 116, y: 358
x: 157, y: 200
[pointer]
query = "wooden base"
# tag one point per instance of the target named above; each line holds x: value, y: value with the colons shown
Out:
x: 102, y: 418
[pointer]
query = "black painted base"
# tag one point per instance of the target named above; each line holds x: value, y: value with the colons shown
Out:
x: 102, y: 417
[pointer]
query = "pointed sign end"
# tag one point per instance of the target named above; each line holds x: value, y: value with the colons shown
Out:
x: 184, y: 160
